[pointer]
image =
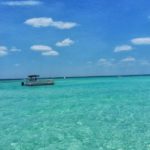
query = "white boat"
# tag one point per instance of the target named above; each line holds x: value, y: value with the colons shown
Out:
x: 33, y: 80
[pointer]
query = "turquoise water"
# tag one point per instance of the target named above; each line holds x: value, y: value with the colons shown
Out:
x: 76, y: 114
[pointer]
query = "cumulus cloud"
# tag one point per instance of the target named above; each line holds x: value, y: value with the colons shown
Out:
x: 128, y: 59
x: 45, y: 50
x: 3, y: 48
x: 141, y: 41
x: 46, y: 22
x: 50, y: 53
x: 41, y: 48
x: 22, y: 3
x: 105, y: 62
x: 122, y: 48
x: 65, y: 42
x: 3, y: 51
x: 14, y: 49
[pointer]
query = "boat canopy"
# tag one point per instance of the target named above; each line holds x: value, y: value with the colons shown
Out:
x: 33, y: 77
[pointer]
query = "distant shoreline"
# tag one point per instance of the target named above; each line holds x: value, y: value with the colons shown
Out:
x: 98, y: 76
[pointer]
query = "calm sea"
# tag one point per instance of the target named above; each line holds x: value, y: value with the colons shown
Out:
x: 76, y: 114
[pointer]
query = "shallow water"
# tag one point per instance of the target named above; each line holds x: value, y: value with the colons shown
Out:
x: 76, y: 114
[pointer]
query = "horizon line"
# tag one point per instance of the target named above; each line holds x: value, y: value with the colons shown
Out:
x: 91, y: 76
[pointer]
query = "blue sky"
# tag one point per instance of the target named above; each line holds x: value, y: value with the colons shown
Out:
x: 73, y: 38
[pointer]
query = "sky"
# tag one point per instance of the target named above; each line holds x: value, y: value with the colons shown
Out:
x: 74, y: 37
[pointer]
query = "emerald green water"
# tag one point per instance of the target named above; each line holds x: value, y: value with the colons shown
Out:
x: 76, y: 114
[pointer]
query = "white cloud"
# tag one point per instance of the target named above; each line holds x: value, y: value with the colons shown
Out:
x: 3, y: 51
x: 39, y: 22
x: 89, y: 62
x: 16, y: 65
x: 41, y: 48
x: 128, y: 59
x: 3, y: 48
x: 123, y: 48
x: 141, y: 41
x: 50, y: 53
x: 65, y: 42
x: 46, y: 22
x: 145, y: 63
x: 22, y: 3
x: 14, y: 49
x: 45, y: 50
x: 63, y: 25
x: 105, y: 62
x: 102, y: 60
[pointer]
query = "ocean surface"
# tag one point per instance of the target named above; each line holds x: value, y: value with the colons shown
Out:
x: 110, y: 113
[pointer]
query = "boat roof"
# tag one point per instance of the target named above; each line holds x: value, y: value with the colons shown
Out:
x: 31, y: 76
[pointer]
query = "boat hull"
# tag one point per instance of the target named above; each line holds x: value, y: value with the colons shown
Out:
x: 37, y: 83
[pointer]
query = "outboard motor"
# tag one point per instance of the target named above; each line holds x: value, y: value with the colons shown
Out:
x: 22, y: 83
